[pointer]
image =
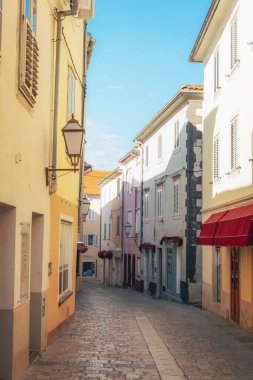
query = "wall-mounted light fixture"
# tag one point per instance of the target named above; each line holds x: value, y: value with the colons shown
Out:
x: 128, y: 229
x: 73, y: 137
x: 85, y: 206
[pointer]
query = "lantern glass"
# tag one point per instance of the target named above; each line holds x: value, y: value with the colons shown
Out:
x: 128, y: 228
x: 73, y: 136
x: 85, y: 207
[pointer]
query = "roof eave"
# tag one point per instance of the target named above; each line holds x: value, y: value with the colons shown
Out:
x: 180, y: 97
x: 195, y: 56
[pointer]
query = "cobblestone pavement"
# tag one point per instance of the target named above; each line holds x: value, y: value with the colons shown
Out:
x: 121, y: 334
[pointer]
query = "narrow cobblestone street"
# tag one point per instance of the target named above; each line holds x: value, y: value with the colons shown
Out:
x: 121, y: 334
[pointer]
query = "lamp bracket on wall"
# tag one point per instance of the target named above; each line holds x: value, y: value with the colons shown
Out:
x: 49, y: 173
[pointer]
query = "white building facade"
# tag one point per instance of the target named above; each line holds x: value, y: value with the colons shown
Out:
x: 171, y: 196
x: 224, y: 45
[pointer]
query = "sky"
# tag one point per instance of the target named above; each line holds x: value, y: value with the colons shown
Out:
x: 140, y: 61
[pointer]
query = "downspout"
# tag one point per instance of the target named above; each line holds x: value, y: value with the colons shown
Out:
x: 122, y: 224
x: 80, y: 198
x: 60, y: 15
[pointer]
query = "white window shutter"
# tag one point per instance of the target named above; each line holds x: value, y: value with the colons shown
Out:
x: 234, y: 44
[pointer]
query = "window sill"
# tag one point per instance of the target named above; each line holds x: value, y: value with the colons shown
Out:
x: 160, y: 219
x: 65, y: 297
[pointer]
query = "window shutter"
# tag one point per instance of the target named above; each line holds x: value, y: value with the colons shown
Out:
x: 234, y: 150
x: 216, y: 173
x: 29, y: 63
x: 85, y: 239
x: 234, y: 34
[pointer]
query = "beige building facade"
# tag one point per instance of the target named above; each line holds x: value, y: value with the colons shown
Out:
x: 92, y: 266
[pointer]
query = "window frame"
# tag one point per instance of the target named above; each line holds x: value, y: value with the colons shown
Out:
x: 234, y: 42
x: 95, y: 240
x: 62, y: 294
x: 71, y: 94
x: 130, y: 221
x: 216, y: 157
x: 216, y: 59
x: 146, y: 204
x: 146, y: 156
x: 28, y: 79
x: 118, y: 225
x: 176, y: 135
x: 104, y: 231
x: 159, y: 201
x: 234, y: 151
x: 176, y: 201
x: 91, y: 215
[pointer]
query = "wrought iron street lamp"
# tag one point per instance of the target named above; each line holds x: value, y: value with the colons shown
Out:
x: 128, y: 229
x: 73, y: 137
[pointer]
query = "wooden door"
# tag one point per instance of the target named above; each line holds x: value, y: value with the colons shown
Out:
x: 234, y: 298
x: 129, y: 282
x: 133, y: 271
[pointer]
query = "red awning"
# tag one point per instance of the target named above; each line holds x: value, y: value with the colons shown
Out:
x: 81, y: 247
x: 208, y: 229
x: 231, y: 228
x: 175, y: 240
x: 234, y: 229
x: 147, y: 246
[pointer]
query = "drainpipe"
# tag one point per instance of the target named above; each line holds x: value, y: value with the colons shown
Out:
x: 80, y: 198
x: 122, y: 223
x: 60, y: 15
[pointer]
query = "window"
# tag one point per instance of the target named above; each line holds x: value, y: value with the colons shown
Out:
x: 176, y: 135
x: 146, y: 156
x: 118, y: 187
x: 137, y: 221
x: 233, y: 43
x: 216, y: 171
x: 160, y: 146
x: 146, y: 195
x: 71, y: 94
x: 104, y: 231
x: 89, y: 268
x: 216, y: 71
x: 29, y: 52
x: 1, y: 17
x: 109, y: 231
x: 91, y: 240
x: 129, y: 180
x: 118, y: 225
x: 65, y: 258
x: 130, y: 221
x: 176, y: 197
x: 233, y: 145
x: 138, y: 266
x: 159, y: 201
x: 91, y: 215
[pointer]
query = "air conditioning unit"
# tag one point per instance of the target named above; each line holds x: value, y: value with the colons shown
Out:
x: 86, y: 9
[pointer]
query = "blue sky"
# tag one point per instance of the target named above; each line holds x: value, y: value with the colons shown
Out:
x: 139, y: 62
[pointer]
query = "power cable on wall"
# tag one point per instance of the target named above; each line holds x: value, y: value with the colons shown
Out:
x: 73, y: 63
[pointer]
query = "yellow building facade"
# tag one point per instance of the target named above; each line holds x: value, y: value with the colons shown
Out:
x: 38, y: 234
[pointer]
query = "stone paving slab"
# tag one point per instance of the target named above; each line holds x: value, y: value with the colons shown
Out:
x: 109, y: 340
